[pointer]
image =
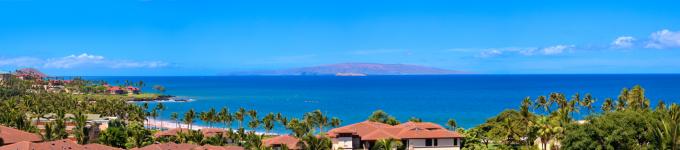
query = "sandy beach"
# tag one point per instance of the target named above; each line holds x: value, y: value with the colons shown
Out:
x: 171, y: 125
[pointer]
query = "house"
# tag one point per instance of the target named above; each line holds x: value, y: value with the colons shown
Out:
x: 413, y: 135
x: 133, y: 90
x: 12, y: 136
x: 278, y: 142
x: 29, y: 74
x: 115, y: 90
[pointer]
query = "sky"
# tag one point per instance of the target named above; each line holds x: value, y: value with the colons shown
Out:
x: 201, y: 37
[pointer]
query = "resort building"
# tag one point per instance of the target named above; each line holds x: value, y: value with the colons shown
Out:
x: 133, y: 90
x: 279, y: 142
x: 413, y: 135
x: 115, y: 90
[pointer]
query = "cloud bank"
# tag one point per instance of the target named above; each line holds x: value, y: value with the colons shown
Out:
x: 663, y: 39
x: 83, y: 60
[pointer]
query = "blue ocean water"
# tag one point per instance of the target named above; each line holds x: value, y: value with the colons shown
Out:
x: 469, y: 99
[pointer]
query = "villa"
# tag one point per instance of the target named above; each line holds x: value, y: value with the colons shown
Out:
x: 413, y: 135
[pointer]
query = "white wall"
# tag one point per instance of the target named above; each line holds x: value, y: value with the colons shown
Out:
x: 342, y: 142
x: 442, y: 144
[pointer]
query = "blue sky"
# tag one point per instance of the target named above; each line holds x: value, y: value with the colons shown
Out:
x: 197, y: 37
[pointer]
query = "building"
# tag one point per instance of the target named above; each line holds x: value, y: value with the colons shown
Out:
x: 30, y: 74
x: 12, y: 136
x: 133, y: 90
x: 278, y: 142
x: 115, y: 90
x: 413, y: 135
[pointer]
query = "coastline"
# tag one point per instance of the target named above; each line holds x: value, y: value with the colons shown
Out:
x: 166, y: 124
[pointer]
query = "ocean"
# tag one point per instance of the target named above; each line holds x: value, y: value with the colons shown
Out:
x: 469, y: 99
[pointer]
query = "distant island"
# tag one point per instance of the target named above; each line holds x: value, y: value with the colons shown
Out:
x: 355, y: 69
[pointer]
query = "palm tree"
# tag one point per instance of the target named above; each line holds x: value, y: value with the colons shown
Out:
x: 81, y: 131
x: 203, y: 116
x: 387, y: 144
x: 667, y: 128
x: 335, y: 122
x: 146, y: 113
x: 452, y: 124
x: 154, y: 114
x: 588, y: 102
x: 174, y: 116
x: 211, y: 116
x: 268, y: 122
x: 189, y: 117
x: 546, y: 130
x: 607, y: 105
x: 254, y: 123
x: 311, y: 142
x: 226, y: 117
x: 160, y: 107
x: 240, y: 116
x: 541, y: 102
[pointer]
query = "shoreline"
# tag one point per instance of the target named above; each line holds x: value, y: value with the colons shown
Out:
x: 165, y: 124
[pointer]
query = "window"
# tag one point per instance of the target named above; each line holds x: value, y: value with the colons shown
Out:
x: 430, y: 142
x: 455, y: 142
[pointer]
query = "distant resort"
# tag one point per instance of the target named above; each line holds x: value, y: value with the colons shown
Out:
x: 45, y: 112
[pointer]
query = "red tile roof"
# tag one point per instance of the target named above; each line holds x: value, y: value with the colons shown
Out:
x: 115, y: 88
x: 290, y: 141
x: 369, y: 130
x: 11, y: 135
x: 60, y: 144
x: 132, y: 88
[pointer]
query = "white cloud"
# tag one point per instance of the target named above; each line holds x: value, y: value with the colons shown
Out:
x: 74, y: 61
x: 83, y: 60
x: 20, y: 61
x: 490, y: 53
x: 664, y: 39
x: 623, y: 42
x: 526, y: 51
x: 555, y: 50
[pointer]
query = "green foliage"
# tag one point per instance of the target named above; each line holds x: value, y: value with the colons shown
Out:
x: 311, y: 142
x: 387, y: 144
x: 615, y: 130
x: 115, y: 135
x: 137, y: 135
x: 382, y: 117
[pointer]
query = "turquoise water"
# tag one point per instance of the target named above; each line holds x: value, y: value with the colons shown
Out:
x: 469, y: 99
